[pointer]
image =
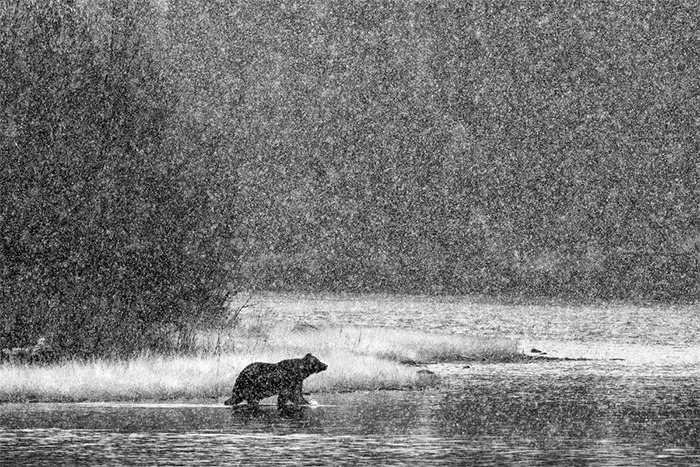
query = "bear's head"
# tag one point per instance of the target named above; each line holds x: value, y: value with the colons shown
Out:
x: 313, y: 364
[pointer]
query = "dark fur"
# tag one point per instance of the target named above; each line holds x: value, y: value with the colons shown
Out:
x: 260, y: 380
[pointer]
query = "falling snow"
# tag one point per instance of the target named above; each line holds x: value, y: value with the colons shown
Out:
x: 157, y: 155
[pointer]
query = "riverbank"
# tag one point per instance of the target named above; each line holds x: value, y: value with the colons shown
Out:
x: 358, y: 359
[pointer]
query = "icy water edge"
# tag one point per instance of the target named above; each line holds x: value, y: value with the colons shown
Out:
x: 634, y: 402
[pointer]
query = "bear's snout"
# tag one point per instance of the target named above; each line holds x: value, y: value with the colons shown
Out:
x: 322, y: 367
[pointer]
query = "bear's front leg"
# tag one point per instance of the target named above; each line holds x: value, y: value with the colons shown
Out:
x: 297, y: 396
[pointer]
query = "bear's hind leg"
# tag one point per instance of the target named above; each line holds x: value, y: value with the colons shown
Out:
x: 252, y: 402
x: 282, y: 399
x: 235, y: 399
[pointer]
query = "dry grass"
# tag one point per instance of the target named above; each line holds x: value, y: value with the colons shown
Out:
x: 188, y: 377
x: 398, y: 345
x: 357, y: 358
x: 147, y: 377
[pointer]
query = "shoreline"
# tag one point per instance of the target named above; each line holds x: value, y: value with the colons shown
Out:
x: 358, y: 359
x: 428, y: 378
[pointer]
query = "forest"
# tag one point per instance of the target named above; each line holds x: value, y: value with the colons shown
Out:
x: 543, y: 148
x: 157, y: 156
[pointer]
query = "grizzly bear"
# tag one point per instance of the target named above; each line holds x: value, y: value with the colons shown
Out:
x: 260, y: 380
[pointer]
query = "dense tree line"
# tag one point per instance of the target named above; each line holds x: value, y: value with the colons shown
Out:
x: 155, y: 154
x: 115, y: 235
x: 541, y: 148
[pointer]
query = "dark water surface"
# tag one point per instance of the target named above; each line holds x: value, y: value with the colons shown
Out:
x: 635, y: 402
x: 560, y: 413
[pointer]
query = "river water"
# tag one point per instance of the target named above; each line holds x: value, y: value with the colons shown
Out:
x: 634, y: 401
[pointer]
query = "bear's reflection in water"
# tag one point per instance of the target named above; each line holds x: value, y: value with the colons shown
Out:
x: 270, y: 413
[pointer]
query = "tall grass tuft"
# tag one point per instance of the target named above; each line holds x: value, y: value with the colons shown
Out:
x: 398, y: 345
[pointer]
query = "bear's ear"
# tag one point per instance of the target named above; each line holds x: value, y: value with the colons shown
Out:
x: 308, y: 356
